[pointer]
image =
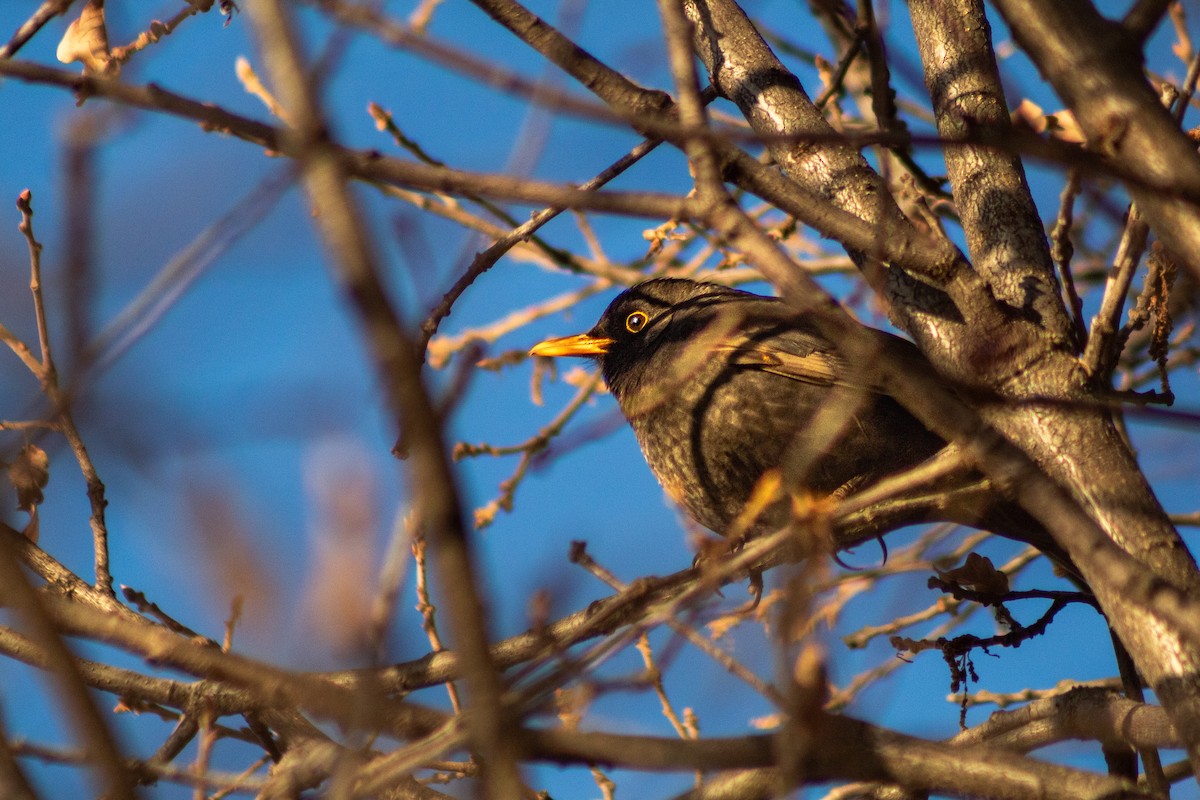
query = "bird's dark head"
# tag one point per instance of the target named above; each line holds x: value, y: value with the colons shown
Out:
x: 641, y: 324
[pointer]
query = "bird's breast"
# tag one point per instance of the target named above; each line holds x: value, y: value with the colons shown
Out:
x: 709, y: 437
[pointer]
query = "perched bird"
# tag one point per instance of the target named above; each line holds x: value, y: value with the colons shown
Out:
x: 723, y: 387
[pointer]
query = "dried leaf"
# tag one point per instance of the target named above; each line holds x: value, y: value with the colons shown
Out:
x: 28, y: 475
x: 1062, y: 125
x: 768, y: 722
x: 1163, y: 271
x: 571, y: 703
x: 437, y: 355
x: 724, y: 623
x: 977, y: 574
x: 1030, y: 113
x: 86, y: 41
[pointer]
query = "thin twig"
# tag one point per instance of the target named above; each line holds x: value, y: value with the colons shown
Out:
x: 1062, y: 250
x: 580, y: 556
x: 428, y: 612
x: 1099, y: 355
x: 488, y: 258
x: 1102, y: 351
x: 48, y: 376
x: 442, y: 348
x: 836, y: 79
x: 529, y: 449
x: 158, y: 30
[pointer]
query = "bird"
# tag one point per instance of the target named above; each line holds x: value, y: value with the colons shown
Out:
x: 725, y: 389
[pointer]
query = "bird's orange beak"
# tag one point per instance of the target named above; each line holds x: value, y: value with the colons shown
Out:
x: 579, y: 345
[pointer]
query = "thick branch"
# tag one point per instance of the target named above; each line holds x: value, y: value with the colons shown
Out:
x: 850, y: 750
x: 1087, y: 714
x: 1096, y: 67
x: 1003, y: 230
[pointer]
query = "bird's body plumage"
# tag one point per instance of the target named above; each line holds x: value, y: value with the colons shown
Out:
x: 720, y: 386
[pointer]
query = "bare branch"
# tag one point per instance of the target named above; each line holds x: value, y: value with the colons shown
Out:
x: 398, y: 366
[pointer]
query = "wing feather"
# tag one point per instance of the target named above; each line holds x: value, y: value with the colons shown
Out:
x: 819, y: 367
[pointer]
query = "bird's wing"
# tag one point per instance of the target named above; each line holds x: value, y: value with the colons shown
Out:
x: 806, y: 364
x: 770, y: 338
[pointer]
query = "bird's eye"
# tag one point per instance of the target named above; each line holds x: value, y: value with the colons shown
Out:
x: 636, y: 321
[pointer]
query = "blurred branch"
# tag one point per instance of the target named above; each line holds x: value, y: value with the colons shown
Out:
x: 84, y: 134
x: 150, y: 770
x: 48, y: 10
x: 187, y: 266
x: 398, y: 366
x: 14, y: 783
x: 1144, y: 16
x: 103, y: 752
x: 367, y: 165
